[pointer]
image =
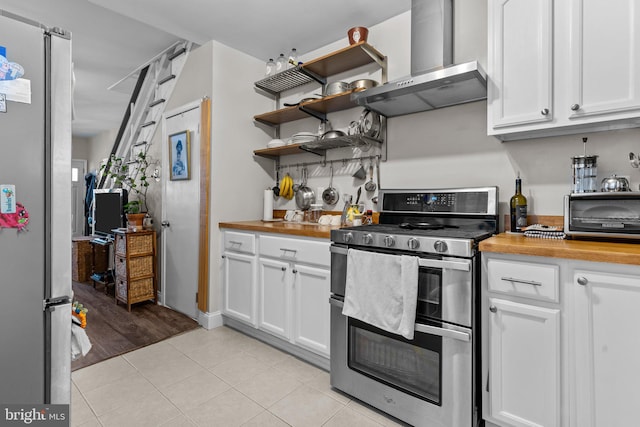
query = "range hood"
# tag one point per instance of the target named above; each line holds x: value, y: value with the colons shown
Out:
x: 434, y: 82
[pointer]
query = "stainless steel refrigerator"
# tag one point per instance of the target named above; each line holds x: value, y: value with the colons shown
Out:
x: 35, y: 262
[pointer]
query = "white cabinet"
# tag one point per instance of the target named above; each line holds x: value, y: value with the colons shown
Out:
x: 239, y: 276
x: 295, y: 282
x: 524, y: 348
x: 606, y: 345
x: 239, y: 286
x: 274, y: 282
x: 521, y: 67
x: 521, y: 342
x: 312, y: 288
x: 562, y: 67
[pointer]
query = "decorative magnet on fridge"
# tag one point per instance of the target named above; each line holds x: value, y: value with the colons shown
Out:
x: 18, y: 219
x: 9, y: 70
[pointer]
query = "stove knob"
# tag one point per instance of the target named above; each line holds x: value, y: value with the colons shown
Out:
x: 348, y: 238
x: 389, y: 241
x: 367, y: 239
x: 440, y: 246
x: 413, y: 243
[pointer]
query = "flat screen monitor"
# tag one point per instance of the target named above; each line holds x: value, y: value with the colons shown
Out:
x: 108, y: 211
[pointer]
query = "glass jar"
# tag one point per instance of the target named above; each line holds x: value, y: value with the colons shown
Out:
x: 315, y: 211
x: 281, y: 63
x: 271, y: 67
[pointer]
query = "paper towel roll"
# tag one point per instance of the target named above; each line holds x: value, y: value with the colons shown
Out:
x: 267, y: 214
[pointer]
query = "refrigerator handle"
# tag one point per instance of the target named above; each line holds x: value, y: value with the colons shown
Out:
x: 52, y: 303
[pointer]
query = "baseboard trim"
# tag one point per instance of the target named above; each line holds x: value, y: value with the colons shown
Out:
x: 210, y: 320
x: 306, y: 355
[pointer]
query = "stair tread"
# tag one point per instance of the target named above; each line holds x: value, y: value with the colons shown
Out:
x: 157, y: 101
x: 166, y: 79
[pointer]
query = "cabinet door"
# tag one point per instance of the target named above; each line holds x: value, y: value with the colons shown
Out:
x: 520, y: 63
x: 524, y: 354
x: 605, y: 58
x: 239, y: 286
x: 274, y: 310
x: 607, y: 349
x: 312, y: 288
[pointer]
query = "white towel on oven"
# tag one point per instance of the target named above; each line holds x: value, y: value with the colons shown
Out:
x: 382, y: 290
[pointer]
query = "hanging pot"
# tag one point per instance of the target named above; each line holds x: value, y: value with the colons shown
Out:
x: 305, y: 195
x: 330, y: 195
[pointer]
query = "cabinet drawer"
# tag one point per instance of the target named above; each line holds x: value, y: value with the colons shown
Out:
x: 525, y: 279
x: 138, y: 267
x: 306, y: 251
x: 240, y: 242
x: 139, y: 290
x: 133, y: 244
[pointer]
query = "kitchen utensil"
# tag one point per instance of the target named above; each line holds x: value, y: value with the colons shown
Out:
x: 330, y: 195
x: 361, y: 173
x: 336, y: 88
x: 633, y: 159
x: 331, y: 134
x: 276, y: 188
x: 302, y: 101
x: 296, y: 186
x: 362, y: 84
x: 305, y: 195
x: 358, y: 194
x: 370, y: 123
x: 357, y: 34
x: 370, y: 185
x: 615, y: 183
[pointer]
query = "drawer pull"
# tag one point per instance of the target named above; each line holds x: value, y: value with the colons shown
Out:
x: 582, y: 281
x: 526, y: 282
x: 235, y: 242
x: 285, y: 250
x: 493, y: 309
x: 284, y: 268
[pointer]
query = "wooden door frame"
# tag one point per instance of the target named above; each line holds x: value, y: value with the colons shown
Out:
x: 205, y: 195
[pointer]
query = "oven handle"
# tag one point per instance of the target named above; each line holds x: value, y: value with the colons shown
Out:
x: 338, y: 250
x: 446, y: 333
x: 338, y: 303
x: 419, y: 327
x: 464, y: 265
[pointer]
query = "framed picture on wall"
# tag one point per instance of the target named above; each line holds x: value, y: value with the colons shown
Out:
x: 180, y: 156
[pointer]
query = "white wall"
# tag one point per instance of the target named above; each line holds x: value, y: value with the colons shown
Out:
x: 237, y: 177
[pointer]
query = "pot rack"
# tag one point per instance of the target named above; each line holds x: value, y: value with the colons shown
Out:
x: 324, y: 162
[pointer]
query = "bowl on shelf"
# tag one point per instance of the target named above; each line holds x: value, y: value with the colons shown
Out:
x: 275, y: 143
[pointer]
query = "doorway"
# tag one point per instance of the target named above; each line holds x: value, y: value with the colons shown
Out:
x: 180, y: 212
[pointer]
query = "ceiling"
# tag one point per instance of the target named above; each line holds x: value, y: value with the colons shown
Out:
x: 112, y: 38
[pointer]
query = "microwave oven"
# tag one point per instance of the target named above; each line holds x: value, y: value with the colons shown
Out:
x: 602, y: 215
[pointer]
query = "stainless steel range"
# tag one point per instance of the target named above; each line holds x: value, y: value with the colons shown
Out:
x: 430, y: 378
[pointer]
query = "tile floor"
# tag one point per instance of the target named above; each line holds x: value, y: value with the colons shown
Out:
x: 218, y: 378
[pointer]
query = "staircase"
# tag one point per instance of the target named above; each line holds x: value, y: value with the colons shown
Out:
x: 155, y: 83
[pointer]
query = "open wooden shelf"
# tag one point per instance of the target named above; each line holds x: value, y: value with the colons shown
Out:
x: 341, y: 101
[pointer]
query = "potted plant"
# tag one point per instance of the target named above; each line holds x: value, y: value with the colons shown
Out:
x: 135, y: 181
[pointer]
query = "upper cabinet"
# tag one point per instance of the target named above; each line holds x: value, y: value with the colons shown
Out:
x: 316, y: 70
x: 562, y: 67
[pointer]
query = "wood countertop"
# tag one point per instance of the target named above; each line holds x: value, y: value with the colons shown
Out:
x: 596, y: 251
x: 282, y: 227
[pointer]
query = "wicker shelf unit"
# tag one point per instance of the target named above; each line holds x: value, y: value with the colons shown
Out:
x: 135, y: 267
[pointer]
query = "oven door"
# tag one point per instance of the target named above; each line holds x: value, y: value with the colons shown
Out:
x: 424, y: 381
x: 445, y: 284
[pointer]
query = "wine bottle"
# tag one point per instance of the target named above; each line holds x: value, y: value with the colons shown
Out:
x: 518, y: 208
